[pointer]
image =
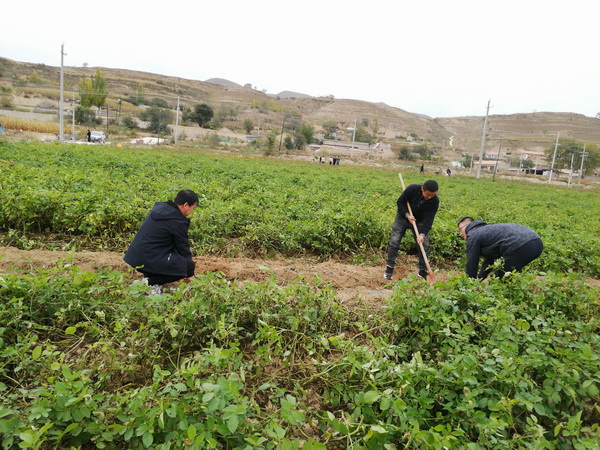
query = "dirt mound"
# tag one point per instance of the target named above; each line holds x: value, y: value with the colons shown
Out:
x: 354, y: 284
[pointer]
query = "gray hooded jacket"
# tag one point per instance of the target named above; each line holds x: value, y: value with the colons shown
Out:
x: 492, y: 242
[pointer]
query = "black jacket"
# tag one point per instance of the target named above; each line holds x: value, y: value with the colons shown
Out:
x: 492, y: 242
x: 161, y: 245
x: 423, y: 210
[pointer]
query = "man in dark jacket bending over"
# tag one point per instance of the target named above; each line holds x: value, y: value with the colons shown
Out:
x: 518, y: 245
x: 424, y: 204
x: 161, y: 249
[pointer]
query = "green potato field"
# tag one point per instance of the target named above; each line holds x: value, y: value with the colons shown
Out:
x: 93, y: 360
x: 96, y: 197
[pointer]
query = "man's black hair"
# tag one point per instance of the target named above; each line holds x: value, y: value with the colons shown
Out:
x: 186, y: 196
x: 431, y: 186
x: 463, y: 219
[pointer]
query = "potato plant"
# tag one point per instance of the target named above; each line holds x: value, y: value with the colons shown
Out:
x: 90, y: 360
x: 96, y: 199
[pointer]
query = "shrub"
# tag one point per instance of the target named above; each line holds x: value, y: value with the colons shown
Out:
x: 129, y: 122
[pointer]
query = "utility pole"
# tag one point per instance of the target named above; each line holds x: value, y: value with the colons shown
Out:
x: 281, y: 135
x: 176, y: 120
x: 497, y: 159
x: 61, y: 106
x: 483, y: 140
x: 73, y: 118
x: 583, y: 155
x: 571, y: 174
x: 353, y: 137
x: 553, y: 158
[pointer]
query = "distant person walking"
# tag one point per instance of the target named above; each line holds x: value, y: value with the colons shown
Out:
x: 422, y: 169
x: 89, y: 136
x: 424, y: 203
x: 516, y: 244
x: 161, y: 248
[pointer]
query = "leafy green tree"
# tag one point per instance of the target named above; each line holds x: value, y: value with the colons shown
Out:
x: 422, y: 150
x: 160, y: 102
x: 216, y: 122
x: 329, y: 129
x: 466, y: 161
x: 202, y: 114
x: 159, y: 119
x: 569, y: 149
x: 86, y: 116
x: 361, y: 135
x: 85, y: 92
x: 93, y: 91
x: 292, y: 123
x: 406, y: 153
x: 248, y: 125
x: 527, y: 164
x: 139, y: 97
x: 288, y: 142
x: 304, y: 135
x: 35, y: 78
x: 270, y: 143
x: 299, y: 142
x: 129, y: 122
x: 228, y: 113
x: 375, y: 126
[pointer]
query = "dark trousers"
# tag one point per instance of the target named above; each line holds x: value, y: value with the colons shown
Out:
x: 519, y: 258
x: 401, y: 224
x: 157, y: 279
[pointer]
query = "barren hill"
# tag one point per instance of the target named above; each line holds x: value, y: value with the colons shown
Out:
x: 27, y: 83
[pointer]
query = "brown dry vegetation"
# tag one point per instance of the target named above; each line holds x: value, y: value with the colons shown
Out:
x: 533, y: 131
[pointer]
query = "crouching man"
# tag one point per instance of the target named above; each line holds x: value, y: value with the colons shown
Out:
x: 516, y: 244
x: 161, y: 249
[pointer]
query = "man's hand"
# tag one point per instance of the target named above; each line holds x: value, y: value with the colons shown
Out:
x: 420, y: 238
x: 411, y: 218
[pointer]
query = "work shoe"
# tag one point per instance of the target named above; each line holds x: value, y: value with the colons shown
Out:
x: 388, y: 272
x: 422, y: 274
x: 157, y: 289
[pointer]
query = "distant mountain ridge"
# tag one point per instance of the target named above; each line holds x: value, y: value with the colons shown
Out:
x: 232, y: 84
x: 384, y: 122
x: 291, y: 94
x: 223, y: 82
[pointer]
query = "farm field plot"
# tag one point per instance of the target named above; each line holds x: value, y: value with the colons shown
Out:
x: 61, y: 197
x: 288, y: 337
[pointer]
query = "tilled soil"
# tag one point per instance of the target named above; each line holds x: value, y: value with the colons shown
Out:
x: 352, y: 283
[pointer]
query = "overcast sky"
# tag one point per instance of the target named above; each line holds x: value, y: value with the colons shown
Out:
x: 441, y: 58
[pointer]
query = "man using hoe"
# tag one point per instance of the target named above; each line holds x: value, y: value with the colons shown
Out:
x: 517, y: 244
x: 161, y: 248
x: 424, y: 204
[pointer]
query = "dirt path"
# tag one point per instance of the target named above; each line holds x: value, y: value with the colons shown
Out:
x: 353, y: 284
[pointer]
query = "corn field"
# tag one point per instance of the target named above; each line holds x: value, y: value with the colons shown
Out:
x: 11, y: 123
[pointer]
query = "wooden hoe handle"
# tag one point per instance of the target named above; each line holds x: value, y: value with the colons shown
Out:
x: 430, y: 277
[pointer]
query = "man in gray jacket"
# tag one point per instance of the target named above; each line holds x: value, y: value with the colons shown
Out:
x: 517, y: 244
